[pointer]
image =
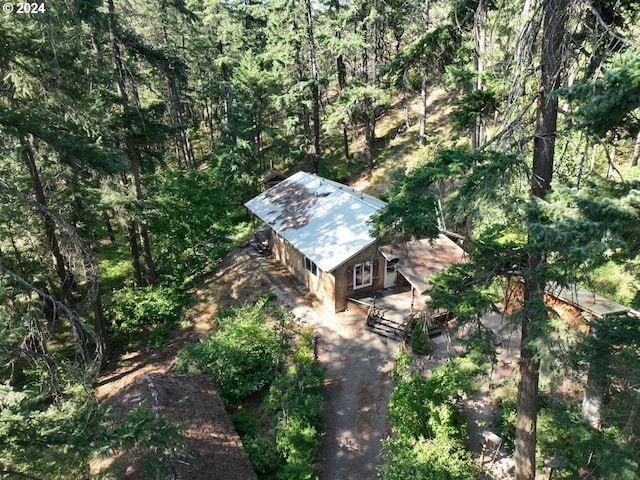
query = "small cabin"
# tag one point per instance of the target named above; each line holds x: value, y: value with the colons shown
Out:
x: 319, y: 229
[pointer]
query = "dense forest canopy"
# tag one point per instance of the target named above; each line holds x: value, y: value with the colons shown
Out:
x: 132, y: 133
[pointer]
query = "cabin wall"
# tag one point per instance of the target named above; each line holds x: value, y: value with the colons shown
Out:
x: 343, y: 275
x: 569, y: 314
x: 322, y: 285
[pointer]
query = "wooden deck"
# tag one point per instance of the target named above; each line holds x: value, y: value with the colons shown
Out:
x: 388, y: 312
x: 394, y: 304
x: 392, y: 314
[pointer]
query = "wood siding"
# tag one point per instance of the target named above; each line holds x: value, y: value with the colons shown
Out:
x: 332, y: 289
x: 321, y: 285
x: 344, y: 277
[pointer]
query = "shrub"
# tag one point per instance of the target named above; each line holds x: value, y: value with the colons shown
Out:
x: 427, y: 427
x: 55, y: 438
x: 441, y: 458
x: 244, y: 423
x: 135, y: 310
x: 420, y: 341
x: 263, y: 456
x: 297, y: 400
x: 241, y: 358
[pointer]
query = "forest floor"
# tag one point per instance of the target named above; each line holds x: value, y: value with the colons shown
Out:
x: 357, y: 384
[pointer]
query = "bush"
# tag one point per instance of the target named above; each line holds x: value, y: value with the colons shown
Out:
x: 420, y: 341
x: 441, y: 458
x: 136, y: 310
x: 263, y: 456
x: 428, y: 430
x: 43, y: 437
x: 241, y: 358
x: 244, y: 423
x: 297, y: 400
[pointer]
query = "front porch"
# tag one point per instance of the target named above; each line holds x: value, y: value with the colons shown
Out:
x: 391, y: 313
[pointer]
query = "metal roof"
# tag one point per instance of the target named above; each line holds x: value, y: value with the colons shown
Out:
x: 419, y: 259
x: 327, y: 221
x: 586, y: 300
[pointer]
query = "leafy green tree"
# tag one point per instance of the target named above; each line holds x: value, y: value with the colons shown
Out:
x: 242, y: 357
x: 427, y: 427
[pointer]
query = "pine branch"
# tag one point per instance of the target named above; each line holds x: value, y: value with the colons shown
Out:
x: 88, y: 263
x: 511, y: 127
x: 82, y: 335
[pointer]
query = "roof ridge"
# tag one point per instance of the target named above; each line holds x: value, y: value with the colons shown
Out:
x: 363, y: 197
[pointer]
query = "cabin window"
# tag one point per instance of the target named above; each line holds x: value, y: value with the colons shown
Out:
x: 310, y: 267
x: 362, y: 275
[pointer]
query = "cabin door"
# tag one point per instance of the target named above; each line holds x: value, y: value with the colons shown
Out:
x: 390, y: 272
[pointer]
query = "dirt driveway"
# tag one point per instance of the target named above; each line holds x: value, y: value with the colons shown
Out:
x: 357, y: 385
x: 358, y: 390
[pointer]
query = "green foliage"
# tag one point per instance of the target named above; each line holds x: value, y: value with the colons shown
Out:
x: 484, y: 178
x: 263, y: 455
x: 289, y: 449
x: 297, y: 400
x: 562, y: 432
x: 244, y: 423
x: 428, y: 54
x: 434, y: 459
x: 191, y: 213
x: 611, y: 102
x: 56, y: 438
x: 471, y: 106
x: 354, y: 104
x: 150, y: 437
x: 154, y: 309
x: 241, y: 357
x: 423, y: 407
x: 420, y: 341
x: 427, y: 427
x: 45, y: 439
x: 455, y: 290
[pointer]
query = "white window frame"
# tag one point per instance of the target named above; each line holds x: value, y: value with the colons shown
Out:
x: 363, y: 266
x: 310, y: 266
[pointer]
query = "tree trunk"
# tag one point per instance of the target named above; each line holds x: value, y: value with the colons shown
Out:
x: 342, y: 83
x: 423, y: 112
x: 627, y: 431
x: 67, y: 280
x: 315, y: 89
x: 554, y: 12
x: 132, y: 239
x: 149, y: 269
x: 132, y: 152
x: 341, y: 69
x: 183, y: 150
x: 593, y: 397
x: 636, y: 151
x: 527, y: 407
x: 369, y: 134
x: 550, y: 66
x: 107, y: 222
x: 597, y: 378
x: 480, y: 41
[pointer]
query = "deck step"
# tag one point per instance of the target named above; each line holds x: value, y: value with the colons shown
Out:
x: 386, y: 328
x: 391, y: 334
x: 435, y: 332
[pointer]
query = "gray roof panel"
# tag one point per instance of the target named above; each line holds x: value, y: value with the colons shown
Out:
x: 327, y: 221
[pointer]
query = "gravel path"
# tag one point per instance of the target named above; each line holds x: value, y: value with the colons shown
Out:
x: 357, y: 385
x: 358, y: 391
